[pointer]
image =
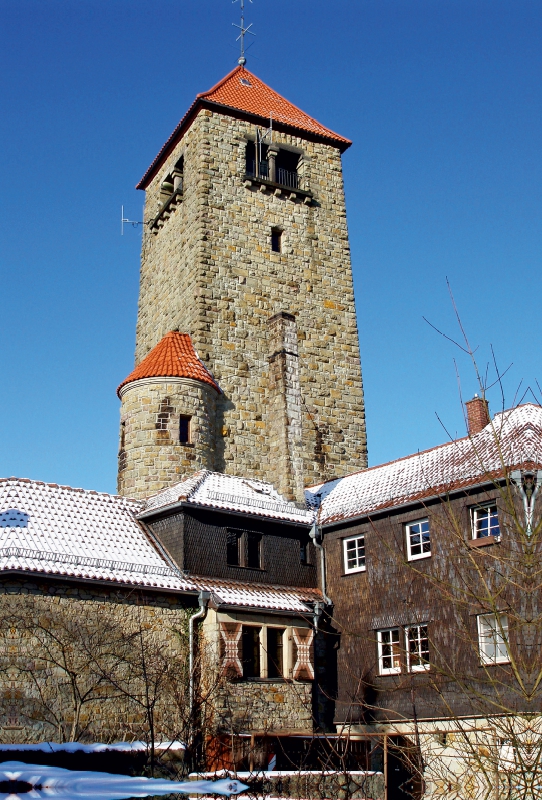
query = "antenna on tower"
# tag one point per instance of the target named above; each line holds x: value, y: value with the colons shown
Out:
x: 242, y: 60
x: 124, y: 221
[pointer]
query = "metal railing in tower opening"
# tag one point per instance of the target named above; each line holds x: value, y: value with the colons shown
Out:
x: 285, y: 177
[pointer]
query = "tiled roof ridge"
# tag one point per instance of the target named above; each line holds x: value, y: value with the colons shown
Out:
x: 324, y: 132
x: 34, y: 482
x: 192, y: 483
x: 490, y: 426
x: 173, y: 357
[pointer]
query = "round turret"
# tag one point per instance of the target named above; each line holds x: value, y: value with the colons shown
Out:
x: 168, y: 417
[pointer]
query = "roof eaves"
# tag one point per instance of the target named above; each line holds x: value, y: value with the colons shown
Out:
x: 202, y: 101
x: 188, y: 503
x: 418, y: 499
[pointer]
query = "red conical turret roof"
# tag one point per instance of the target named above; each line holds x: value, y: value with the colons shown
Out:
x: 242, y: 92
x: 173, y: 357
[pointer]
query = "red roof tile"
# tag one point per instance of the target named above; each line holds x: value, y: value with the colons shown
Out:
x: 173, y: 357
x: 243, y: 91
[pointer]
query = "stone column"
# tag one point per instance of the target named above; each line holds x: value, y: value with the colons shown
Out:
x: 272, y: 153
x: 285, y: 420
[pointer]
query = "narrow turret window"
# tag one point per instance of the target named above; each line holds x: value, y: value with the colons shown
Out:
x: 184, y: 430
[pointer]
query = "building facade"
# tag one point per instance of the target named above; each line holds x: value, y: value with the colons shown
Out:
x: 245, y: 250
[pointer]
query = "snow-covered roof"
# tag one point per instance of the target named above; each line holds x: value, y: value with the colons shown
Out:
x: 230, y: 493
x: 74, y: 533
x: 77, y: 533
x: 513, y: 438
x: 259, y: 595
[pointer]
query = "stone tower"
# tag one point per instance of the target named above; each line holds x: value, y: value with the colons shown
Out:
x: 245, y: 252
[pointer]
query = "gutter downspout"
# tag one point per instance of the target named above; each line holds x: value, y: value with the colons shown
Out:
x: 316, y: 536
x: 203, y: 601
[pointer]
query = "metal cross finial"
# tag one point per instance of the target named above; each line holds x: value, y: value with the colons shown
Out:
x: 242, y: 60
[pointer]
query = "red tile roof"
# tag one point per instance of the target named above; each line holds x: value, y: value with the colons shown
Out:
x: 173, y: 357
x: 244, y: 92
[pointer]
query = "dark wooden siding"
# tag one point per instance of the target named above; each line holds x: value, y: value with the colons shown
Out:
x: 197, y: 541
x: 393, y: 592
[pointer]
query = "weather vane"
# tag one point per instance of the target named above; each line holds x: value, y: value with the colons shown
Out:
x: 242, y: 60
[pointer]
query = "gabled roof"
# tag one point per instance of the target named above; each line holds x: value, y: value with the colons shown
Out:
x: 173, y: 357
x: 229, y: 493
x: 68, y: 533
x: 241, y: 91
x: 512, y: 439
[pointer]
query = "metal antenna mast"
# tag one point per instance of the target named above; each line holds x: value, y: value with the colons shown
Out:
x: 242, y: 60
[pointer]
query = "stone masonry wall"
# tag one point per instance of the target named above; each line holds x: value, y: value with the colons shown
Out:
x: 210, y: 272
x: 52, y: 638
x: 55, y: 636
x: 151, y: 456
x: 285, y: 410
x: 265, y: 706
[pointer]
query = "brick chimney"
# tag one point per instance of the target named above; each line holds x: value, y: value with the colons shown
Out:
x: 477, y: 414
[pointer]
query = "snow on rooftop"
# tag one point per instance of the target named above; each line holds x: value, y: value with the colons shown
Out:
x: 60, y: 531
x: 72, y: 532
x: 513, y: 438
x: 230, y: 493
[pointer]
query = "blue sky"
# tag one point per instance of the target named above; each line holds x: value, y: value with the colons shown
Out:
x: 442, y: 99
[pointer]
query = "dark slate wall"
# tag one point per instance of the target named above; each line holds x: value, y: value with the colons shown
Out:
x: 169, y: 531
x: 196, y: 539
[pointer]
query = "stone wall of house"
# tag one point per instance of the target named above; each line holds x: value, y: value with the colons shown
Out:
x: 264, y: 706
x: 54, y: 638
x: 210, y: 271
x: 150, y: 453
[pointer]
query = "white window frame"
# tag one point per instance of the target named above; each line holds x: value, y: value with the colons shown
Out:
x: 416, y: 667
x: 408, y: 526
x: 474, y: 520
x: 358, y: 568
x: 381, y: 644
x: 495, y: 640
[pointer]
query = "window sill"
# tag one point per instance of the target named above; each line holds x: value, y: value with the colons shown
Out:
x: 166, y: 210
x: 357, y: 571
x: 420, y: 557
x: 484, y: 541
x: 251, y: 569
x: 278, y: 189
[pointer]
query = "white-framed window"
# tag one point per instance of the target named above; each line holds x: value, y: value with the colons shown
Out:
x: 493, y: 638
x: 485, y: 521
x: 354, y: 554
x: 417, y: 648
x: 418, y: 539
x: 389, y: 651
